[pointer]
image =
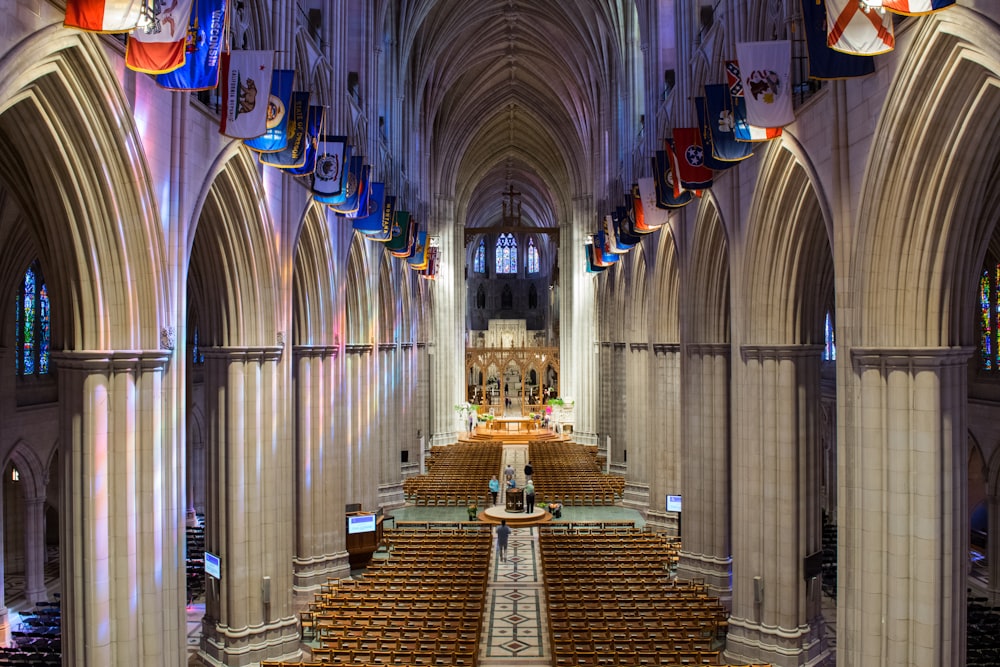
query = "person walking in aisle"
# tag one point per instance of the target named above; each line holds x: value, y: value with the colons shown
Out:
x: 503, y: 532
x: 494, y: 488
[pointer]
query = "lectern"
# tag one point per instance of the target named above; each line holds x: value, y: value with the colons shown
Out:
x: 364, y: 534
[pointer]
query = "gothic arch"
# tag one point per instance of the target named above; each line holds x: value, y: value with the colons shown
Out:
x: 788, y: 264
x: 945, y: 98
x: 233, y: 271
x: 98, y: 233
x: 315, y: 310
x: 708, y: 277
x: 666, y: 303
x: 388, y: 319
x: 33, y: 476
x: 357, y: 299
x: 637, y: 303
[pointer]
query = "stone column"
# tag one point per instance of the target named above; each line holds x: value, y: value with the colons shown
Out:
x: 579, y: 376
x: 34, y: 549
x: 394, y: 397
x: 640, y: 463
x: 993, y: 545
x: 248, y: 612
x: 664, y: 433
x: 447, y: 349
x: 122, y: 513
x: 362, y: 461
x: 321, y: 550
x: 903, y: 518
x: 776, y: 520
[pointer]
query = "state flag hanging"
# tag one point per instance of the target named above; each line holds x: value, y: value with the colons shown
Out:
x: 279, y: 102
x: 766, y: 70
x: 721, y: 122
x: 606, y: 256
x: 711, y: 161
x: 384, y: 235
x: 348, y: 202
x: 408, y: 243
x: 668, y: 187
x: 333, y: 156
x: 202, y: 49
x: 863, y: 31
x: 244, y: 93
x: 400, y: 239
x: 692, y: 172
x: 743, y: 129
x: 824, y: 62
x: 314, y: 128
x: 103, y: 15
x: 911, y: 7
x: 430, y: 273
x: 158, y: 45
x: 296, y: 133
x: 612, y: 243
x: 364, y: 192
x: 418, y: 260
x: 371, y: 222
x: 653, y: 217
x: 593, y: 264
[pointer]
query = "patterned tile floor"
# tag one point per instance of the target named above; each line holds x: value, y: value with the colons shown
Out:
x: 512, y: 626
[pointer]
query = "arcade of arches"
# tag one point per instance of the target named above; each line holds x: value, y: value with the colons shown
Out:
x: 814, y: 341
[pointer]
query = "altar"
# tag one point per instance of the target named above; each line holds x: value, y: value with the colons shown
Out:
x: 509, y: 424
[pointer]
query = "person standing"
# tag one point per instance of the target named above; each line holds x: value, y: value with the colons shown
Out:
x: 529, y: 497
x: 528, y: 470
x: 494, y: 488
x: 508, y: 472
x: 503, y: 532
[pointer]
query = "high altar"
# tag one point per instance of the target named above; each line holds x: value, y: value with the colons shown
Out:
x: 507, y: 361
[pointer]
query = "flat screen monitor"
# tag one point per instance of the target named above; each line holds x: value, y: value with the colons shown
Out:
x: 361, y: 524
x: 212, y: 567
x: 673, y: 503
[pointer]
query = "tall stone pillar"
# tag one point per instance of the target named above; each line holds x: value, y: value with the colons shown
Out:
x: 664, y: 435
x: 705, y: 434
x: 578, y: 358
x: 394, y: 395
x: 34, y: 549
x: 776, y: 521
x: 361, y: 462
x: 321, y: 547
x: 640, y: 448
x: 993, y: 545
x: 902, y: 511
x: 447, y: 342
x: 123, y: 584
x: 248, y: 612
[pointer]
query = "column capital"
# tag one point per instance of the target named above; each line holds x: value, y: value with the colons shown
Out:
x: 263, y: 353
x: 709, y: 348
x: 780, y: 351
x: 315, y: 350
x: 118, y: 360
x: 666, y: 348
x: 909, y: 357
x: 638, y: 346
x: 385, y: 347
x: 358, y: 349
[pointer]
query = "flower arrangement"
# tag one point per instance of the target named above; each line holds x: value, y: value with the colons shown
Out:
x: 473, y: 511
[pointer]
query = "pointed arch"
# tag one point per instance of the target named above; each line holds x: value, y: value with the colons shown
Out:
x: 315, y: 309
x: 665, y: 307
x: 708, y: 279
x: 636, y: 303
x: 357, y: 298
x: 388, y: 315
x: 32, y: 474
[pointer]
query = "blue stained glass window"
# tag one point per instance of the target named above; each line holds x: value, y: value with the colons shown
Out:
x: 506, y: 254
x: 830, y: 346
x: 532, y: 257
x: 196, y: 355
x: 31, y: 319
x: 479, y: 261
x: 985, y: 322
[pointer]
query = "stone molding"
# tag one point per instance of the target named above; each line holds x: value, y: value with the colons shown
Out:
x: 315, y: 350
x: 116, y: 360
x: 263, y: 353
x: 358, y: 349
x: 666, y: 348
x: 907, y: 357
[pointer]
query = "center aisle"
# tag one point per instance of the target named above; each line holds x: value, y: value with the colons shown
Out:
x: 514, y: 630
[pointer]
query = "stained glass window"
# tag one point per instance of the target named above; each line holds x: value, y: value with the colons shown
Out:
x: 985, y: 323
x: 479, y: 261
x: 196, y: 355
x: 31, y: 318
x: 532, y: 260
x: 830, y: 343
x: 506, y: 254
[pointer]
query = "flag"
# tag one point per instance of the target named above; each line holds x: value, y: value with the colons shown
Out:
x: 294, y: 152
x: 611, y: 242
x: 693, y: 174
x: 593, y: 263
x: 364, y: 191
x: 275, y: 137
x: 159, y: 45
x: 400, y: 232
x: 333, y: 156
x: 384, y: 235
x: 408, y: 243
x: 604, y: 255
x: 668, y: 188
x: 203, y: 49
x: 766, y: 69
x: 743, y: 130
x: 371, y: 223
x: 430, y: 273
x: 824, y: 62
x: 314, y: 125
x: 653, y: 217
x: 347, y: 202
x: 103, y: 15
x: 418, y: 261
x: 625, y: 226
x: 863, y: 32
x: 910, y: 7
x: 244, y: 107
x: 721, y: 123
x: 711, y: 161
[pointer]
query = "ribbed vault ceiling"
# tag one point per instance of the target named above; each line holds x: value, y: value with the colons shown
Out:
x: 510, y: 93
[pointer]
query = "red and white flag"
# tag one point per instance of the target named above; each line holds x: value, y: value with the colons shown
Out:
x: 245, y: 93
x: 859, y: 30
x: 103, y: 15
x: 160, y: 45
x: 916, y: 6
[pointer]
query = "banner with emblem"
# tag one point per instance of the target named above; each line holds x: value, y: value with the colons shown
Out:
x: 384, y: 235
x: 333, y: 156
x: 653, y: 217
x: 625, y: 226
x: 418, y: 260
x: 743, y: 129
x: 721, y: 122
x: 911, y: 7
x: 606, y: 257
x: 612, y: 243
x: 593, y: 262
x: 348, y: 202
x: 159, y: 45
x: 400, y: 231
x: 408, y: 243
x: 824, y: 62
x: 692, y: 172
x: 668, y: 186
x: 202, y: 49
x: 244, y: 93
x: 862, y: 31
x: 371, y: 221
x: 364, y: 192
x: 430, y: 273
x: 103, y: 15
x: 766, y: 70
x: 296, y: 135
x: 275, y: 137
x: 314, y: 129
x: 711, y: 161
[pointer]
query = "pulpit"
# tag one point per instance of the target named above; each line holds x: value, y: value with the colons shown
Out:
x: 515, y: 500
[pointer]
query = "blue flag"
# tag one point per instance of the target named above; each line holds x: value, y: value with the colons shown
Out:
x: 351, y: 193
x: 592, y: 253
x: 314, y: 126
x: 203, y: 48
x: 710, y: 161
x: 333, y: 156
x: 279, y: 102
x: 419, y: 256
x: 371, y: 223
x: 667, y: 196
x: 294, y: 153
x: 601, y: 243
x: 824, y: 62
x: 721, y: 123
